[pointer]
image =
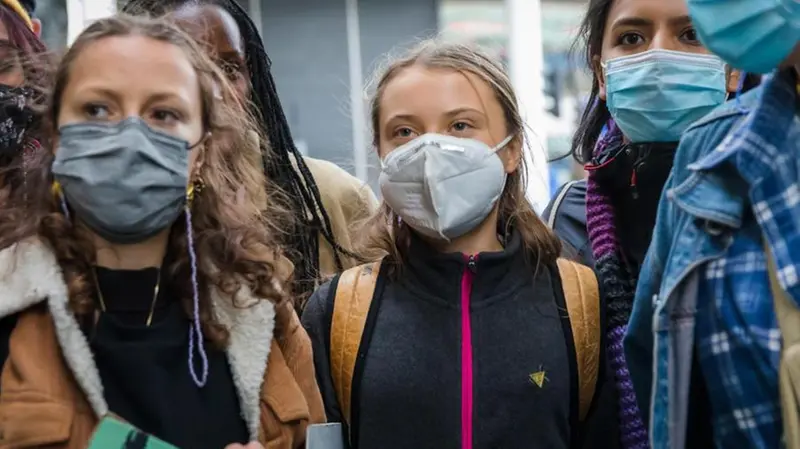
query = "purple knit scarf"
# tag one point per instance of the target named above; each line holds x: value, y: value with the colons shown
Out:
x: 619, y: 288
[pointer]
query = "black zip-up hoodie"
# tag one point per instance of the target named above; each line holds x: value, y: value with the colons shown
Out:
x: 408, y: 389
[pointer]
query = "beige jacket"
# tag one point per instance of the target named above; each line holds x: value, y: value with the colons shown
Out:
x: 348, y: 202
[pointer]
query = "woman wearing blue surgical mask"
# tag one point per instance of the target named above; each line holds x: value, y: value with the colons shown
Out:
x: 143, y: 285
x: 652, y: 79
x: 457, y: 336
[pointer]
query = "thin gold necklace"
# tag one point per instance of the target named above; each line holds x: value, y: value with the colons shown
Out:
x: 152, y: 305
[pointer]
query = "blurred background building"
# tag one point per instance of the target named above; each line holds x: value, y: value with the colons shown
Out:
x: 325, y: 51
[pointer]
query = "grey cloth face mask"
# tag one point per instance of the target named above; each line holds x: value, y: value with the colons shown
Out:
x: 124, y: 180
x: 443, y: 186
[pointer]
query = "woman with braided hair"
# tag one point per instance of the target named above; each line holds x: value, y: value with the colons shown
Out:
x: 325, y: 199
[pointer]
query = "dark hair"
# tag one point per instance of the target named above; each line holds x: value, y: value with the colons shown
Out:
x: 302, y: 191
x: 34, y: 63
x: 595, y: 114
x: 19, y: 34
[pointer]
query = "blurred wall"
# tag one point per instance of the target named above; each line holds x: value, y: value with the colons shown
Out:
x: 307, y: 42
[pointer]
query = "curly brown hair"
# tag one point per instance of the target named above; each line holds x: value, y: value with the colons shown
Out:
x: 386, y: 236
x: 235, y: 238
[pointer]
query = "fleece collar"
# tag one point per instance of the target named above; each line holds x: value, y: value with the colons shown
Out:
x: 30, y: 274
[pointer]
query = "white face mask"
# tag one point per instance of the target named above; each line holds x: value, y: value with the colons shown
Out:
x: 443, y: 186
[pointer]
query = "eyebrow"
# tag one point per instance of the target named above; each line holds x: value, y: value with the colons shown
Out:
x: 450, y: 113
x: 457, y: 111
x: 229, y: 55
x: 152, y: 97
x: 105, y: 92
x: 642, y: 22
x: 680, y: 20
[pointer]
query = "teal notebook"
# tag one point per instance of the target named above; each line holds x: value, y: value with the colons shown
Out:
x: 113, y: 433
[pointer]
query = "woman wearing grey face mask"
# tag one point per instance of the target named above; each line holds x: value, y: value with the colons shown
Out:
x: 456, y: 336
x: 140, y: 289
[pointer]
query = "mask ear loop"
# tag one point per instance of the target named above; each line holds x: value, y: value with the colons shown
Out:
x: 502, y: 144
x: 195, y: 331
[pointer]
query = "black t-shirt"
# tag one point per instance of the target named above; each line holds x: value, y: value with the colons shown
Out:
x: 145, y: 371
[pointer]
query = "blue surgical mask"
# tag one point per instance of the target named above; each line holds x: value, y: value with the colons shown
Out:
x: 654, y: 96
x: 750, y: 35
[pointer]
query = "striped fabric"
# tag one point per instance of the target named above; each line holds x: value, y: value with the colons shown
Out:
x: 619, y: 288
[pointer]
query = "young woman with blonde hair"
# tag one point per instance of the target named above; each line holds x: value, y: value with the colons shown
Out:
x: 466, y: 338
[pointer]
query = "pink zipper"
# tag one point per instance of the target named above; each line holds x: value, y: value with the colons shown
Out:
x: 466, y: 354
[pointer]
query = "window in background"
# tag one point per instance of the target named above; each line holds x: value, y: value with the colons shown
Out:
x: 566, y: 81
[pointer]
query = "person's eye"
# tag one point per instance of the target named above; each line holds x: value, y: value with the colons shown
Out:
x: 9, y: 60
x: 96, y: 111
x: 630, y: 39
x: 461, y: 126
x: 404, y: 132
x: 7, y: 66
x: 231, y: 69
x: 690, y: 35
x: 165, y: 116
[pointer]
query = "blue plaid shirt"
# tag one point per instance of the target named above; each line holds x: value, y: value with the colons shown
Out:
x: 737, y: 335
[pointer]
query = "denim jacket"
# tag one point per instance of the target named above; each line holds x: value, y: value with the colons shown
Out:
x: 702, y: 201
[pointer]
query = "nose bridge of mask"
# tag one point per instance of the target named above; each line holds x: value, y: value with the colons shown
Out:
x: 131, y: 134
x: 444, y: 142
x: 656, y: 56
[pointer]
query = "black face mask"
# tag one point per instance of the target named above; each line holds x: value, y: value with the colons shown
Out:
x: 16, y: 118
x: 640, y: 168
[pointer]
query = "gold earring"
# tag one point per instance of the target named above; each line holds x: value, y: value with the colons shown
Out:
x: 195, y: 189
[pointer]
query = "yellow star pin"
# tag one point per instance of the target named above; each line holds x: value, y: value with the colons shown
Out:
x: 538, y: 378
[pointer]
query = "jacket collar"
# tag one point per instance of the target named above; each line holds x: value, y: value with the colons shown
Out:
x: 30, y: 274
x: 716, y: 190
x: 439, y: 275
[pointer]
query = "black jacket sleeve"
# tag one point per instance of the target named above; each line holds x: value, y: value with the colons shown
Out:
x: 569, y: 222
x: 316, y: 320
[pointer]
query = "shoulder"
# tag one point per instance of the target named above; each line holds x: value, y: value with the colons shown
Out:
x: 359, y: 285
x: 568, y: 221
x: 334, y: 180
x: 703, y: 136
x: 569, y: 204
x: 29, y: 274
x: 319, y: 307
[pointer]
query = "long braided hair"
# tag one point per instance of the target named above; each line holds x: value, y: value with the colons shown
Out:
x: 283, y: 162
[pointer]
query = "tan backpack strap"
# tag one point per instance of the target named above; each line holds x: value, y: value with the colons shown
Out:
x: 350, y: 308
x: 785, y: 310
x: 789, y: 323
x: 582, y: 296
